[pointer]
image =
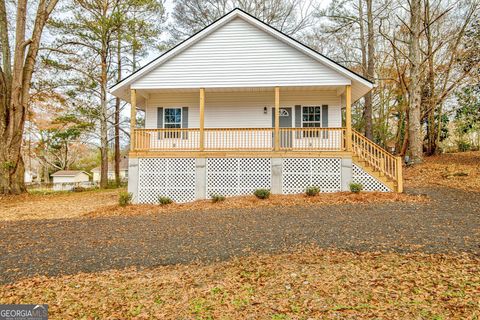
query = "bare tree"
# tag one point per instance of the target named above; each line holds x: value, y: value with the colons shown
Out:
x: 15, y: 83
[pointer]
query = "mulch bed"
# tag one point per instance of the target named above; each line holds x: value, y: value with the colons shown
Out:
x: 448, y: 223
x: 250, y: 202
x: 310, y: 283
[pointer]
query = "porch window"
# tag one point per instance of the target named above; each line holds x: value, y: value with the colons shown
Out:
x: 172, y: 119
x: 311, y: 118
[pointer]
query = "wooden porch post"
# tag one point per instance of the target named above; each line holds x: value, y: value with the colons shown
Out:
x: 277, y: 120
x: 348, y: 117
x: 202, y: 119
x: 133, y: 117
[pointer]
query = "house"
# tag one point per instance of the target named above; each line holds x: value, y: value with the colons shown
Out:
x: 111, y: 171
x: 67, y: 179
x: 240, y: 106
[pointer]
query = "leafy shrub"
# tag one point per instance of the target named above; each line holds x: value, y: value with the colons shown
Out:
x: 217, y: 198
x: 464, y: 146
x: 355, y: 187
x: 312, y: 191
x: 164, y: 200
x: 125, y: 198
x: 262, y: 193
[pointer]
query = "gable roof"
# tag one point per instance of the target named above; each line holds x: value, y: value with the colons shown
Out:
x: 117, y: 88
x: 68, y: 173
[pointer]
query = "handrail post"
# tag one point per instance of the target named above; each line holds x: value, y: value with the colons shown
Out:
x: 277, y: 119
x: 348, y: 117
x: 202, y: 119
x: 133, y: 117
x: 399, y: 175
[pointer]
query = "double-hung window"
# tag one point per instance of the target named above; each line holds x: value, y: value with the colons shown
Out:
x: 311, y: 118
x: 172, y: 119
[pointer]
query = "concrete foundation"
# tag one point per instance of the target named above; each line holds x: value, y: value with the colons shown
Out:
x: 346, y: 173
x: 200, y: 178
x: 133, y: 175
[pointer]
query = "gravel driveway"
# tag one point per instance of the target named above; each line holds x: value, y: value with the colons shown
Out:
x: 449, y: 223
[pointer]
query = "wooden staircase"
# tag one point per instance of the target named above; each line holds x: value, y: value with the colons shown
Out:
x: 377, y: 162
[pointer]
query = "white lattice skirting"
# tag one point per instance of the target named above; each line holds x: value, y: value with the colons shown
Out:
x: 187, y: 179
x: 300, y: 173
x: 237, y: 176
x: 368, y: 182
x: 173, y: 178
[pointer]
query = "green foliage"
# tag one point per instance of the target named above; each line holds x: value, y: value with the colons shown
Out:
x: 464, y: 146
x: 467, y: 116
x: 217, y: 198
x: 162, y: 200
x: 355, y: 187
x: 124, y: 198
x: 262, y: 193
x: 312, y: 191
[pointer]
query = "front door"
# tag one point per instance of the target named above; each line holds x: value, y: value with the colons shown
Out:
x: 285, y: 122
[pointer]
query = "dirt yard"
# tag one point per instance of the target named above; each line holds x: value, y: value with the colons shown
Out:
x: 307, y: 284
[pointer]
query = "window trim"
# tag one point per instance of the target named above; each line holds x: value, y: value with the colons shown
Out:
x: 319, y: 122
x: 181, y: 117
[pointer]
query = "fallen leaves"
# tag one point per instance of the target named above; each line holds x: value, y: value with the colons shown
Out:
x: 247, y: 202
x: 308, y: 283
x: 454, y: 170
x: 54, y: 206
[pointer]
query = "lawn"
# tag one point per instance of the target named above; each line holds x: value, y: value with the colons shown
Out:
x: 307, y: 284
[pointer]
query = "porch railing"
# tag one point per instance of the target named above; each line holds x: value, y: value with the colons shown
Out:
x: 239, y: 139
x: 378, y: 158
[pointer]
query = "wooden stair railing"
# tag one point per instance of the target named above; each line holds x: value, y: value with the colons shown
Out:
x: 380, y: 161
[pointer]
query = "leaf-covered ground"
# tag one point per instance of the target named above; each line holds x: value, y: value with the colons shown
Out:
x: 453, y: 170
x: 307, y: 284
x: 101, y: 203
x: 55, y: 205
x: 250, y: 202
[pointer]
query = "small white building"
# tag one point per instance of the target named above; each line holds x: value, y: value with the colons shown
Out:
x: 67, y: 179
x: 111, y: 171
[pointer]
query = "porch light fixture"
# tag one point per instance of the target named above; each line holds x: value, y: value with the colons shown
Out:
x: 265, y: 110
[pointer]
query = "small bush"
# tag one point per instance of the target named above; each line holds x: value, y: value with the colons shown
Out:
x: 164, y: 200
x: 79, y: 189
x: 262, y: 193
x: 217, y: 198
x: 355, y: 187
x: 464, y: 146
x: 312, y: 191
x: 125, y: 198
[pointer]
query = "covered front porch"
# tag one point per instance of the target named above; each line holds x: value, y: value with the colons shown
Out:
x: 274, y: 120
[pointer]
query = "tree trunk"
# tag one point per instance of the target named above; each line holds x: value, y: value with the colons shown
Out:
x: 368, y: 114
x: 15, y: 82
x: 414, y: 113
x: 103, y: 122
x: 117, y: 115
x: 431, y: 105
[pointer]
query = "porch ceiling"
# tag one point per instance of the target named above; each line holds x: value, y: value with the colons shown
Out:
x: 143, y: 94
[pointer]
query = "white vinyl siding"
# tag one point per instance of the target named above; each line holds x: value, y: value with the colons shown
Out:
x: 81, y: 177
x: 238, y: 109
x: 239, y: 55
